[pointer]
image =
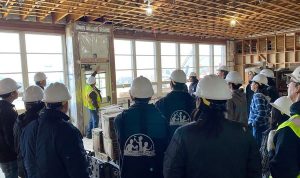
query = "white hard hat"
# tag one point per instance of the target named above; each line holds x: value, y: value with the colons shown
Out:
x: 256, y: 70
x: 193, y: 74
x: 91, y: 80
x: 213, y: 87
x: 283, y: 104
x: 261, y: 79
x: 56, y: 93
x: 141, y: 87
x: 234, y: 77
x: 33, y: 94
x: 178, y: 76
x: 225, y: 68
x: 296, y: 74
x: 40, y: 76
x: 268, y: 73
x: 8, y: 85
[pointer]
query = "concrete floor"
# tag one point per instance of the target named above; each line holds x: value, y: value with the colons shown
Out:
x: 88, y: 145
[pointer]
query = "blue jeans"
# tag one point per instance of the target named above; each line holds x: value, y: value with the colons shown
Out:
x: 93, y: 122
x: 10, y: 169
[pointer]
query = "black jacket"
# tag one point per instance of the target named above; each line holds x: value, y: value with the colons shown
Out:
x: 192, y: 88
x: 8, y: 116
x: 52, y: 147
x: 231, y: 154
x: 143, y: 138
x: 22, y: 121
x: 177, y: 107
x: 286, y: 161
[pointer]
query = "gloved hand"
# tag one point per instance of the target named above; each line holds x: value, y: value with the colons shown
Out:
x: 270, y: 143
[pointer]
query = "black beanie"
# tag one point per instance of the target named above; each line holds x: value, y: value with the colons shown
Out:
x: 295, y: 108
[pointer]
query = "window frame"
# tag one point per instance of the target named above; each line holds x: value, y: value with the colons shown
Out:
x: 24, y: 63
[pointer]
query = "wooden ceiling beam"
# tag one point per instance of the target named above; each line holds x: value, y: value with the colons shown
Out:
x: 272, y: 11
x: 57, y: 16
x: 73, y: 17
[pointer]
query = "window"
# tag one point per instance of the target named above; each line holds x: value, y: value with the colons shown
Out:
x: 187, y: 58
x: 124, y: 66
x: 205, y: 62
x: 210, y: 58
x: 134, y: 58
x: 44, y: 53
x: 168, y: 64
x: 10, y: 56
x: 145, y: 60
x: 219, y: 56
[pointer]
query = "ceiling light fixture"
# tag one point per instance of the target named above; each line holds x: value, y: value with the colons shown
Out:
x: 149, y: 9
x: 233, y: 22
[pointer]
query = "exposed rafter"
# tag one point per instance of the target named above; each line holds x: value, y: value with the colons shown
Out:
x: 197, y: 17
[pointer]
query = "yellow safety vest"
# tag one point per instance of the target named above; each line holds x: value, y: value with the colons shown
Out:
x: 291, y: 124
x: 87, y: 101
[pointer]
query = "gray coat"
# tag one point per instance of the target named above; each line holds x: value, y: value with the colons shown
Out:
x: 237, y: 107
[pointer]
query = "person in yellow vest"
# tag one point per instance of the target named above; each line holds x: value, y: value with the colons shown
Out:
x: 92, y: 101
x: 286, y: 160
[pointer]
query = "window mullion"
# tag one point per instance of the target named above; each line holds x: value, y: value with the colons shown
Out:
x: 24, y: 60
x: 158, y: 68
x: 134, y: 59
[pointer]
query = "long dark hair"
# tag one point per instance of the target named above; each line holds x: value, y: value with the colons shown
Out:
x: 209, y: 115
x: 277, y: 118
x: 262, y: 89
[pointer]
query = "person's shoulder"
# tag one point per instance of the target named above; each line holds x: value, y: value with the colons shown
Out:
x: 188, y: 128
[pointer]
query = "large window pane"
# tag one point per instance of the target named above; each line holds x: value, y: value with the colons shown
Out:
x: 166, y: 73
x: 218, y: 49
x: 52, y: 77
x: 145, y: 62
x: 10, y: 63
x: 123, y: 92
x: 124, y: 77
x: 187, y: 71
x: 45, y: 62
x: 204, y: 49
x: 150, y: 74
x: 9, y: 42
x: 168, y: 48
x: 122, y: 47
x: 218, y: 61
x: 166, y: 88
x: 186, y: 61
x: 144, y: 48
x: 204, y: 61
x: 186, y: 49
x: 168, y: 61
x: 203, y: 71
x: 123, y: 62
x: 36, y: 43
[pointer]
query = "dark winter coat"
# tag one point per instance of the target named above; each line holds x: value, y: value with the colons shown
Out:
x: 237, y: 107
x: 177, y: 107
x: 286, y: 161
x: 52, y: 147
x: 22, y: 121
x: 8, y: 116
x: 231, y: 154
x: 143, y: 138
